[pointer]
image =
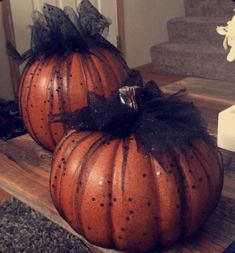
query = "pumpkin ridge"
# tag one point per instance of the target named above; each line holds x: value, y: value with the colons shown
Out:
x: 107, y: 64
x: 66, y: 156
x: 68, y: 80
x: 125, y: 148
x: 29, y: 123
x: 200, y: 156
x: 183, y: 196
x: 90, y: 69
x: 82, y: 65
x: 56, y: 79
x: 113, y: 236
x: 54, y: 82
x: 189, y: 159
x: 98, y: 74
x: 23, y: 110
x: 79, y: 179
x: 114, y: 66
x: 96, y: 67
x: 56, y: 176
x: 156, y: 194
x: 59, y: 172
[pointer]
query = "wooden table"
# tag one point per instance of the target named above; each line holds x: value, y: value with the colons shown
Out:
x: 25, y: 168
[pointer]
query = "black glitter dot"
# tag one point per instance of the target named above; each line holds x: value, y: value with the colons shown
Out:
x: 144, y: 234
x: 131, y: 212
x: 200, y: 179
x: 89, y: 228
x: 193, y: 186
x: 130, y: 199
x: 127, y: 218
x: 177, y: 206
x: 123, y: 229
x: 115, y: 199
x: 93, y: 199
x: 102, y: 204
x: 144, y: 175
x: 149, y: 204
x: 119, y: 237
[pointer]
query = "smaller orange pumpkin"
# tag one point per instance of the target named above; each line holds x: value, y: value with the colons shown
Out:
x: 68, y: 58
x: 119, y: 193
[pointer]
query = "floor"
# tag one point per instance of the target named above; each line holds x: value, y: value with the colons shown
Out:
x: 148, y: 73
x: 161, y: 78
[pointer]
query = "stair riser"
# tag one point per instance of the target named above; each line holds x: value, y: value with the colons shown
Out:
x: 191, y: 32
x: 209, y: 8
x: 204, y: 65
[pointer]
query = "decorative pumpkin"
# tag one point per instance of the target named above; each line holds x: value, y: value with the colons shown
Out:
x: 138, y: 189
x: 68, y: 59
x: 55, y: 84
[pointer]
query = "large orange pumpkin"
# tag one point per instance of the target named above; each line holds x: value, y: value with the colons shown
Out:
x: 118, y: 197
x: 59, y: 84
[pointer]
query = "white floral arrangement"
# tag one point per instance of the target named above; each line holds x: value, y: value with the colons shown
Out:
x: 229, y: 40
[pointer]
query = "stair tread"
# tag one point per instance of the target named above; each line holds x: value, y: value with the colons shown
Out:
x: 201, y: 20
x: 191, y: 47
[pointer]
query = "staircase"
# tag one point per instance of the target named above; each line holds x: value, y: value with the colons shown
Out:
x: 194, y: 47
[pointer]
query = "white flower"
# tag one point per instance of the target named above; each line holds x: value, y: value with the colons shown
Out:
x: 229, y: 40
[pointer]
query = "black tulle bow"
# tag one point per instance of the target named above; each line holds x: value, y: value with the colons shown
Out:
x: 157, y: 120
x: 56, y: 31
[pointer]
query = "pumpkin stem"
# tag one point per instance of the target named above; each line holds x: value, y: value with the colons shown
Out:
x: 128, y: 96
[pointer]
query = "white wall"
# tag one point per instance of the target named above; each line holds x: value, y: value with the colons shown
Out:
x: 145, y: 26
x: 6, y: 90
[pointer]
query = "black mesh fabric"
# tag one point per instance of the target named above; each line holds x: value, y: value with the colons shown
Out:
x: 160, y: 123
x: 56, y: 31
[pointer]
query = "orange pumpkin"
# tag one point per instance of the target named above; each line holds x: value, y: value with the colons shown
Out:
x: 118, y: 197
x: 59, y: 84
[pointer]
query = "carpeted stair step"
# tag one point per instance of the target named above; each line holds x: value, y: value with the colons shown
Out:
x: 209, y: 7
x: 191, y: 29
x: 193, y: 59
